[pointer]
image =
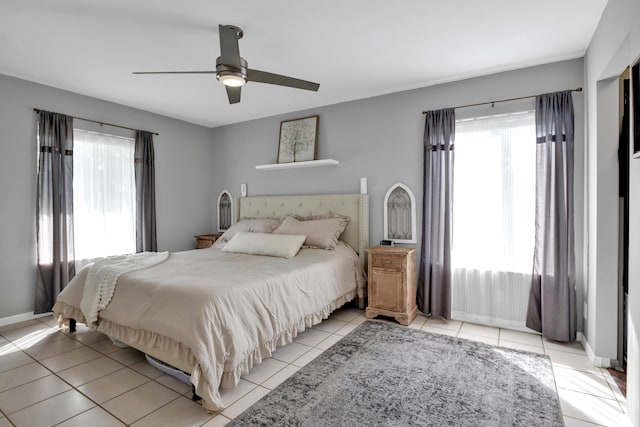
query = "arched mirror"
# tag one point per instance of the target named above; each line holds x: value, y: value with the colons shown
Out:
x: 225, y: 211
x: 400, y: 214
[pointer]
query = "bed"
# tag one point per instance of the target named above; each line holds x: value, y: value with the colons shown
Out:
x: 214, y: 314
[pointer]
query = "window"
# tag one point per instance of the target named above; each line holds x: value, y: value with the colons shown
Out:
x: 494, y: 217
x: 103, y: 195
x: 494, y: 192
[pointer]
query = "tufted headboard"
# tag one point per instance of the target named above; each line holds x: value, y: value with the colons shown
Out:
x: 355, y: 206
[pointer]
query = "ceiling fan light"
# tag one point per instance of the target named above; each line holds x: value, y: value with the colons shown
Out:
x: 232, y: 80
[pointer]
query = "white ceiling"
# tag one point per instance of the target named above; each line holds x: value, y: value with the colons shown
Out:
x: 353, y: 48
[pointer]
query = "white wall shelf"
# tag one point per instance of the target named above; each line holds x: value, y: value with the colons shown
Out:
x: 294, y: 165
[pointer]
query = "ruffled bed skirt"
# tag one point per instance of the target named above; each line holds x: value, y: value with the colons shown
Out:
x: 180, y: 356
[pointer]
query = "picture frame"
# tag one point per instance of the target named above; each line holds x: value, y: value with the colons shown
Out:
x: 298, y: 141
x: 399, y: 216
x: 225, y: 211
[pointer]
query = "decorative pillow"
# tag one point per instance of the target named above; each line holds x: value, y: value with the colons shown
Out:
x: 255, y: 225
x: 321, y: 233
x: 278, y: 245
x: 322, y: 216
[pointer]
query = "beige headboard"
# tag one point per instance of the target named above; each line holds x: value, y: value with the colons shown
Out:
x: 355, y: 206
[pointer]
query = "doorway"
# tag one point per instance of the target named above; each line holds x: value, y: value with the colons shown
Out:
x: 623, y: 232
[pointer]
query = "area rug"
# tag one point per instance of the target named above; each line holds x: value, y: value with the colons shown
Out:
x: 382, y: 374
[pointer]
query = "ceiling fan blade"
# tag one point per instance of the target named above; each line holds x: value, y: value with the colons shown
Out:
x: 234, y: 94
x: 229, y: 51
x: 278, y: 79
x: 173, y: 72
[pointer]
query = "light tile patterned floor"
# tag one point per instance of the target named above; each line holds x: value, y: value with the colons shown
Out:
x: 49, y: 377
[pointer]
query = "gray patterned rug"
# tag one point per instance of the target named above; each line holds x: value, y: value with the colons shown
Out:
x: 383, y: 374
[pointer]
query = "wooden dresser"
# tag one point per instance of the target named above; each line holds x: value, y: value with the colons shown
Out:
x: 392, y: 283
x: 206, y: 240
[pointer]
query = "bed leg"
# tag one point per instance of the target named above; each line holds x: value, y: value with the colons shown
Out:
x: 194, y: 396
x: 72, y: 325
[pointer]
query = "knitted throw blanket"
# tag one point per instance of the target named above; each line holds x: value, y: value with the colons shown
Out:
x: 100, y: 283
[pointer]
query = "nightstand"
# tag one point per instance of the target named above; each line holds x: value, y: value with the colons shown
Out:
x: 206, y: 240
x: 392, y: 283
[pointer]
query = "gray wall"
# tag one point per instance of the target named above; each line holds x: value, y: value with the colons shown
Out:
x: 183, y: 177
x: 381, y: 138
x: 604, y: 64
x: 615, y: 45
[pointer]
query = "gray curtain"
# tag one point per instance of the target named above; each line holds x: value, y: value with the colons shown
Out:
x: 434, y: 279
x: 552, y: 302
x: 145, y: 193
x: 54, y: 208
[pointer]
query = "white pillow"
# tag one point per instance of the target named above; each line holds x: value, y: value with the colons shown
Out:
x: 278, y: 245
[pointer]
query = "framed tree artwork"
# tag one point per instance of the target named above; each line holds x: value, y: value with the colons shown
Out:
x: 298, y: 140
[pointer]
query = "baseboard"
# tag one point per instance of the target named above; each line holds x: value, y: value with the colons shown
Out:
x: 21, y: 318
x: 600, y: 362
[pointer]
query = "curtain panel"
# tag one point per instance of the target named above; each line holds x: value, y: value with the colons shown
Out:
x: 552, y: 302
x: 54, y: 208
x: 492, y: 297
x: 146, y: 239
x: 435, y: 274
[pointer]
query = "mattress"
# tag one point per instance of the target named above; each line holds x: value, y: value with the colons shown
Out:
x: 215, y: 314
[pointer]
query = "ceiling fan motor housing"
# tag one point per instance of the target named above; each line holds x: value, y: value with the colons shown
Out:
x: 224, y: 70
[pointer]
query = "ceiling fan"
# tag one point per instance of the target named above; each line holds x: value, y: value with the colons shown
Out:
x: 233, y: 72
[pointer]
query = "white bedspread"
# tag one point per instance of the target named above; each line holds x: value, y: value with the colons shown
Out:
x: 215, y: 314
x: 102, y: 276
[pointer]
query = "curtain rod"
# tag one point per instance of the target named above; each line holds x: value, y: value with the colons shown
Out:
x: 503, y: 100
x: 37, y: 110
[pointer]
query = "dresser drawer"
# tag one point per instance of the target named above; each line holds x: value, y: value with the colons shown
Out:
x: 388, y: 262
x: 203, y: 244
x: 204, y: 241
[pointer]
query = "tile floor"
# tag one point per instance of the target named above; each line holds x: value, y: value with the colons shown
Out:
x: 49, y: 377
